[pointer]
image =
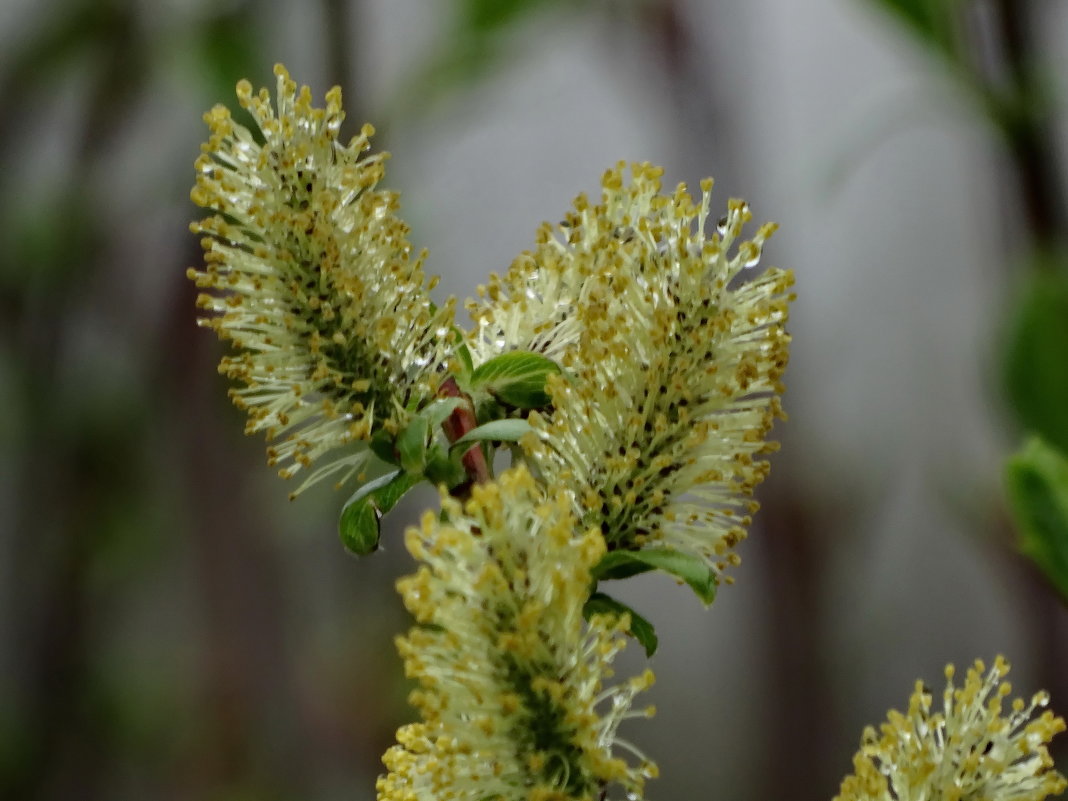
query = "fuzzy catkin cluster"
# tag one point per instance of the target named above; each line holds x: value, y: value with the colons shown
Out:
x: 511, y: 679
x: 313, y: 281
x: 668, y: 350
x: 672, y: 362
x: 973, y: 748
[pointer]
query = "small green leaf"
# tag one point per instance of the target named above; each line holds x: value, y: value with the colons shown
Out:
x: 358, y: 528
x: 640, y: 628
x: 359, y: 523
x: 620, y: 565
x: 691, y: 569
x: 437, y: 411
x: 411, y: 445
x: 1036, y: 368
x: 389, y: 495
x: 488, y: 409
x: 496, y: 431
x: 516, y: 378
x: 463, y: 353
x: 383, y: 446
x: 441, y: 468
x: 1036, y: 478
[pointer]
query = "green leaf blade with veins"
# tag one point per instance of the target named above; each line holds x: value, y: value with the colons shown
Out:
x: 437, y: 412
x: 358, y: 525
x: 516, y: 378
x: 496, y: 431
x: 692, y: 570
x: 640, y: 628
x: 412, y: 445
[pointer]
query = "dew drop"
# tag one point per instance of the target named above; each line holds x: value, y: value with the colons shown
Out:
x: 754, y: 258
x: 722, y: 224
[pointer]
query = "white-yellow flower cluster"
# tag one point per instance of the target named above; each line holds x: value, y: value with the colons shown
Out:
x: 510, y: 675
x: 313, y: 280
x: 971, y: 750
x: 672, y: 362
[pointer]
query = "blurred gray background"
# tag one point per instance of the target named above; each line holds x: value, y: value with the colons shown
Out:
x: 172, y: 628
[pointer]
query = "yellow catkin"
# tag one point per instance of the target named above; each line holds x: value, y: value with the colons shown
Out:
x: 312, y: 280
x: 673, y: 361
x: 511, y: 679
x: 972, y: 748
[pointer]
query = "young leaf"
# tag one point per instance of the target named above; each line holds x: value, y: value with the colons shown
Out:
x: 496, y: 431
x: 691, y: 569
x: 411, y: 445
x: 640, y: 628
x: 436, y: 411
x: 383, y: 446
x: 441, y: 468
x: 516, y: 378
x: 1036, y: 478
x: 463, y: 353
x: 488, y: 409
x: 358, y: 526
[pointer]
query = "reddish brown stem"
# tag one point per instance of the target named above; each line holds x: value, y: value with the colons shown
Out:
x: 459, y: 423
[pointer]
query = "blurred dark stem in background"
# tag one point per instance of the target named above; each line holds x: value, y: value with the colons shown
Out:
x: 1020, y: 107
x: 787, y: 535
x: 341, y: 26
x: 68, y: 482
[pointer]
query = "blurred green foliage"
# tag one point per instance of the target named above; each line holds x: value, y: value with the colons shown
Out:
x: 933, y: 22
x: 1013, y: 101
x: 1036, y: 381
x: 1036, y: 358
x: 480, y: 41
x: 1037, y: 483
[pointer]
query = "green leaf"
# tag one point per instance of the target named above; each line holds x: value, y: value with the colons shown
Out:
x: 383, y: 446
x: 443, y: 468
x: 437, y: 411
x: 1036, y: 479
x: 488, y: 409
x: 411, y: 445
x: 1036, y: 368
x: 390, y: 494
x: 516, y: 378
x: 496, y: 431
x: 463, y: 353
x: 693, y: 570
x: 358, y: 528
x: 359, y: 523
x: 640, y: 628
